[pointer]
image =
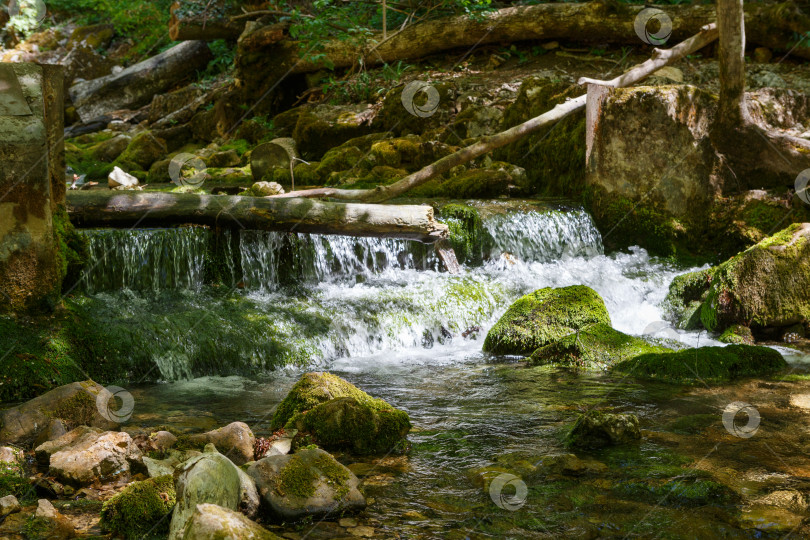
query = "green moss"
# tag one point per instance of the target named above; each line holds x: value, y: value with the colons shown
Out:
x: 240, y: 145
x: 737, y: 334
x: 14, y: 482
x: 594, y: 347
x: 554, y: 158
x: 36, y: 528
x: 141, y: 509
x: 71, y: 248
x: 143, y: 150
x: 466, y: 231
x: 300, y: 476
x: 78, y: 410
x: 371, y: 427
x: 543, y: 316
x: 685, y: 296
x: 312, y: 390
x: 705, y: 364
x: 689, y: 492
x: 470, y: 184
x: 597, y: 429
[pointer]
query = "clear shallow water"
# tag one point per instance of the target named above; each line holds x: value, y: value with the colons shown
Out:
x: 379, y: 314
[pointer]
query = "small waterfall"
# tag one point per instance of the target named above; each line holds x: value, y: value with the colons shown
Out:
x: 543, y: 236
x: 145, y: 259
x: 270, y: 259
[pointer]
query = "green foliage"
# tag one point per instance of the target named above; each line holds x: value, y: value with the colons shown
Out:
x: 13, y: 482
x: 26, y: 21
x: 224, y: 54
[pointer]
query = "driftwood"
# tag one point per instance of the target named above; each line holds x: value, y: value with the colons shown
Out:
x: 660, y: 58
x: 104, y: 208
x: 595, y: 22
x: 136, y: 85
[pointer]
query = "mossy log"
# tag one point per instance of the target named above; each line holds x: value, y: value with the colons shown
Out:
x: 137, y: 85
x: 593, y: 22
x: 660, y: 58
x: 139, y: 209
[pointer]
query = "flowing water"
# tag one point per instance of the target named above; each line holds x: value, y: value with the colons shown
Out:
x: 381, y: 314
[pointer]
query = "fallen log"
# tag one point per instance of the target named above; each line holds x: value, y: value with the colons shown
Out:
x: 118, y: 209
x: 661, y: 57
x: 594, y: 22
x: 137, y: 85
x: 204, y: 20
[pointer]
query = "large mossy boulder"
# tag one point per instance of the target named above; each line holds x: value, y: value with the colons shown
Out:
x: 72, y: 404
x: 141, y: 509
x: 595, y: 347
x: 340, y: 415
x: 309, y: 482
x: 544, y: 316
x: 763, y: 287
x: 705, y: 364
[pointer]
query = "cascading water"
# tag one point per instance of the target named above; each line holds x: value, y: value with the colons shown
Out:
x: 310, y: 299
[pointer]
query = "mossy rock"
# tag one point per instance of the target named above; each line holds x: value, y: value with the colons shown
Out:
x: 554, y: 158
x: 71, y: 248
x: 597, y: 429
x: 340, y: 415
x: 393, y: 116
x: 705, y: 364
x: 686, y: 294
x: 595, y: 347
x: 544, y: 316
x: 467, y: 235
x: 141, y: 510
x: 371, y: 427
x: 484, y: 183
x: 320, y: 128
x: 144, y: 149
x: 737, y: 334
x: 689, y: 492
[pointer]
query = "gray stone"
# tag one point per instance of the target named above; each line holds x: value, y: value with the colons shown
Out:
x: 212, y: 522
x: 9, y: 505
x: 235, y: 441
x: 334, y: 488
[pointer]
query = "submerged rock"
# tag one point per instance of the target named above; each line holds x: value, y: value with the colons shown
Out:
x: 596, y: 429
x: 705, y: 364
x: 309, y: 482
x: 87, y: 455
x: 544, y: 316
x: 737, y: 334
x: 340, y: 415
x: 764, y: 286
x: 207, y: 478
x: 235, y: 441
x: 594, y: 347
x: 140, y: 510
x: 212, y: 522
x: 74, y: 404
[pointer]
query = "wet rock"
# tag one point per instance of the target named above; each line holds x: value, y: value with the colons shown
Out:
x: 143, y: 150
x: 596, y: 429
x: 86, y: 455
x: 340, y: 415
x: 266, y: 189
x: 309, y: 482
x: 235, y: 441
x: 571, y: 465
x: 249, y: 499
x: 705, y: 364
x: 789, y: 499
x: 74, y: 404
x: 141, y: 509
x: 543, y: 316
x: 212, y: 522
x: 9, y: 505
x: 764, y: 286
x: 208, y: 478
x: 595, y: 347
x: 737, y: 334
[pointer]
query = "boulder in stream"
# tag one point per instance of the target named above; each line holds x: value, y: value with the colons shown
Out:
x: 309, y: 482
x: 235, y: 441
x: 595, y: 347
x: 340, y: 415
x: 763, y: 287
x: 74, y: 404
x: 544, y: 316
x: 596, y: 429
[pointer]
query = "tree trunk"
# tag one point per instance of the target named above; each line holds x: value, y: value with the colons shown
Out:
x: 382, y: 193
x: 204, y: 20
x: 732, y: 110
x: 594, y: 22
x: 143, y: 209
x: 137, y: 85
